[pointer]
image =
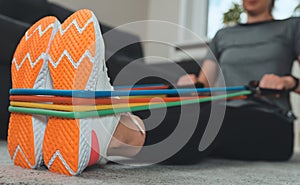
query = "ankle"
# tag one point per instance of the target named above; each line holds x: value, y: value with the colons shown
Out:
x: 128, y: 139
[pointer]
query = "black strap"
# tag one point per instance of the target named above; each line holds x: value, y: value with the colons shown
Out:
x: 296, y: 83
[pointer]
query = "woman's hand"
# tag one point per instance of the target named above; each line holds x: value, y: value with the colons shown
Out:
x: 188, y: 79
x: 271, y: 81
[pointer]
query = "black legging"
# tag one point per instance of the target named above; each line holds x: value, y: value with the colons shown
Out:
x: 246, y: 134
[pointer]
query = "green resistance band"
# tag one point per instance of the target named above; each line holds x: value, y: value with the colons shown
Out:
x: 81, y: 115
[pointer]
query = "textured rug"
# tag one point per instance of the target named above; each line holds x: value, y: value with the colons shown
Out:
x: 210, y: 171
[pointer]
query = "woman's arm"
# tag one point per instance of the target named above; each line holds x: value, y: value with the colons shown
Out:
x: 271, y: 81
x: 207, y: 74
x: 209, y: 67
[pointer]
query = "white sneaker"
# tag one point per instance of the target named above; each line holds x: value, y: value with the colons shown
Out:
x: 76, y: 62
x: 30, y: 70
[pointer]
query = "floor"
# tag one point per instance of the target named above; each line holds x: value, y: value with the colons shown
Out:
x: 210, y: 171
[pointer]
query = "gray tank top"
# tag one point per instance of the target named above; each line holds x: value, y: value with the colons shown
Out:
x: 248, y: 51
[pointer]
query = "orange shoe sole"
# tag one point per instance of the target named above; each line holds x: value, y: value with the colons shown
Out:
x: 29, y: 70
x: 67, y: 142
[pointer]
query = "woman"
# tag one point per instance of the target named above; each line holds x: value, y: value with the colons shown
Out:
x: 260, y: 24
x: 262, y: 49
x: 262, y: 129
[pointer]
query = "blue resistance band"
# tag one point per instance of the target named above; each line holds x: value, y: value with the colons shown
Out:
x: 99, y: 94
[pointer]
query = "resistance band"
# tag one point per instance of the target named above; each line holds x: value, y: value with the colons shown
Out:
x: 98, y: 101
x: 79, y: 115
x: 96, y: 94
x: 74, y: 108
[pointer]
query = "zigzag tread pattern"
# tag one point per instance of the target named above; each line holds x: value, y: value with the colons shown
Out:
x: 53, y: 163
x: 62, y: 140
x: 62, y: 31
x: 40, y: 30
x: 78, y: 28
x: 19, y: 152
x: 20, y: 141
x: 70, y: 36
x: 87, y: 54
x: 83, y: 158
x: 27, y: 57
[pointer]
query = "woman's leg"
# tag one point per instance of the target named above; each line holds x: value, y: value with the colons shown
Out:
x: 250, y: 134
x: 176, y: 138
x: 127, y: 137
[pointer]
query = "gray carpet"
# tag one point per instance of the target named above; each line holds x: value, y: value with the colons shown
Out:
x: 210, y: 171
